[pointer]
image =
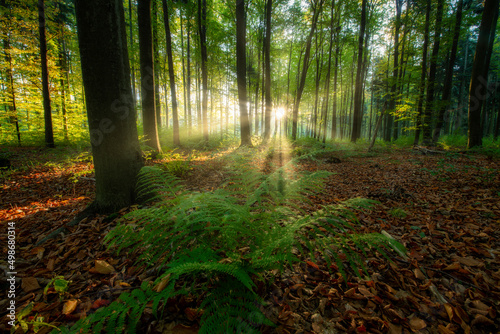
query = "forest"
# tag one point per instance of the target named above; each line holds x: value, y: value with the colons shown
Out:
x: 256, y: 166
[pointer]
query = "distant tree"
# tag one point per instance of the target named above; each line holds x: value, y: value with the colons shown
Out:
x: 110, y: 109
x: 267, y: 71
x: 171, y: 74
x: 202, y: 31
x: 316, y: 9
x: 241, y: 62
x: 478, y: 82
x: 149, y: 119
x: 449, y: 73
x: 358, y: 93
x: 49, y: 135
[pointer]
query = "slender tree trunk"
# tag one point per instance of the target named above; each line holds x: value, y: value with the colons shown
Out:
x: 62, y: 82
x: 147, y: 75
x: 267, y: 65
x: 395, y: 70
x: 241, y: 26
x: 328, y: 71
x: 316, y: 12
x: 171, y: 74
x: 358, y: 92
x: 47, y: 112
x: 156, y: 62
x: 431, y: 86
x: 202, y: 18
x: 423, y: 75
x: 449, y: 74
x: 478, y: 84
x: 131, y: 36
x: 188, y: 85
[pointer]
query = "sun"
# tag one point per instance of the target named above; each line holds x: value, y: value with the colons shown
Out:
x: 280, y: 112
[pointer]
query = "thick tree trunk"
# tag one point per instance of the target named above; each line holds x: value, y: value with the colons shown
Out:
x: 241, y: 62
x: 47, y: 112
x: 149, y: 119
x: 316, y: 12
x: 423, y: 75
x: 156, y: 62
x: 478, y: 84
x: 358, y: 92
x: 110, y: 111
x: 449, y: 74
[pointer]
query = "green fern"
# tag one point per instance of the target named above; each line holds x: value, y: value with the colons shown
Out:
x: 220, y: 241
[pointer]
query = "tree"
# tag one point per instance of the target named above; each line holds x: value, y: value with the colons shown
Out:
x: 267, y: 72
x: 202, y: 30
x: 423, y: 74
x: 358, y: 112
x: 431, y: 85
x: 241, y: 62
x: 110, y: 110
x: 449, y: 74
x: 149, y: 119
x: 49, y: 135
x: 478, y: 82
x: 171, y: 74
x: 316, y: 7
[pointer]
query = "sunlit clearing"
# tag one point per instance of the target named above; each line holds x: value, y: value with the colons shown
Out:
x: 280, y: 112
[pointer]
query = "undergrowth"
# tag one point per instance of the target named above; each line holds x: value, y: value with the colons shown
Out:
x: 219, y: 244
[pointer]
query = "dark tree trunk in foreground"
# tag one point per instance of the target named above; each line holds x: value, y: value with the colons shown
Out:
x: 423, y: 75
x: 241, y: 62
x: 267, y: 74
x: 111, y: 116
x: 478, y: 83
x: 171, y: 74
x: 47, y: 112
x: 358, y: 92
x: 449, y: 74
x: 202, y: 29
x: 147, y: 75
x: 316, y: 11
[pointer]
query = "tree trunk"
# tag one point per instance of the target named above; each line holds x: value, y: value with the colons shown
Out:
x: 267, y: 65
x: 47, y: 112
x: 358, y: 92
x: 395, y: 71
x: 110, y: 111
x: 478, y: 83
x: 449, y: 74
x: 429, y: 103
x: 156, y: 62
x: 147, y: 75
x: 317, y: 5
x: 188, y: 83
x: 241, y: 62
x: 202, y: 18
x: 423, y: 75
x: 328, y: 72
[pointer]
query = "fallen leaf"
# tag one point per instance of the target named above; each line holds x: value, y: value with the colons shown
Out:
x: 102, y: 267
x: 69, y: 306
x: 29, y: 284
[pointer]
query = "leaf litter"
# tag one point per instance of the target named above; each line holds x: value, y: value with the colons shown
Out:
x: 444, y: 208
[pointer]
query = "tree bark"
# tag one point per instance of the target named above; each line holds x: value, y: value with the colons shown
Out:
x: 110, y: 111
x: 316, y: 12
x: 478, y: 83
x: 156, y: 63
x: 328, y: 72
x: 358, y: 91
x: 267, y: 66
x: 395, y: 71
x: 431, y: 86
x: 202, y: 18
x: 241, y: 63
x: 423, y: 75
x: 47, y: 112
x: 149, y: 119
x: 449, y: 74
x: 171, y: 74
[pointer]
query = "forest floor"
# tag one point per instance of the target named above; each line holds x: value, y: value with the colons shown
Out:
x: 445, y: 208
